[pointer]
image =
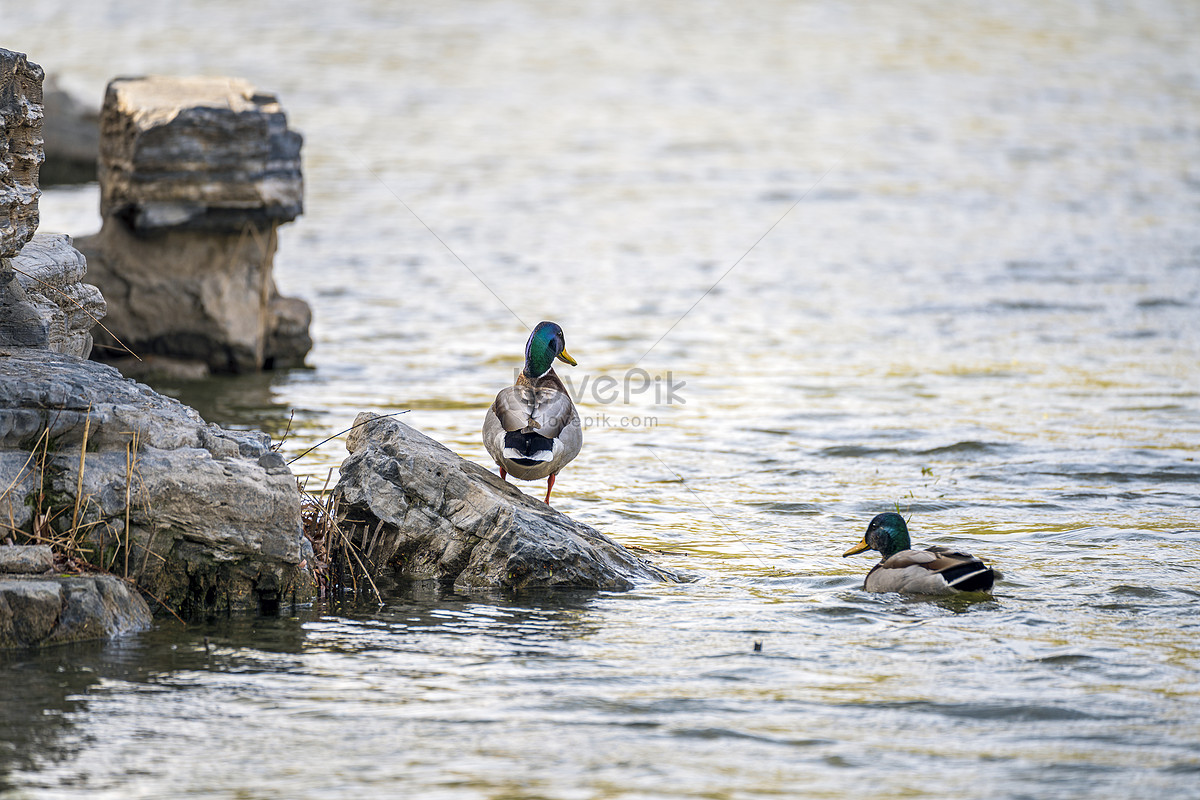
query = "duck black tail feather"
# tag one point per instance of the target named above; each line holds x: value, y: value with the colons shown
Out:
x: 529, y: 445
x: 972, y: 576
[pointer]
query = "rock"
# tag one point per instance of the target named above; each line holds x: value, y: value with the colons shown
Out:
x: 71, y: 131
x: 20, y: 150
x: 201, y: 518
x: 186, y: 153
x: 417, y: 506
x: 41, y: 611
x: 196, y: 176
x: 50, y: 273
x: 26, y: 559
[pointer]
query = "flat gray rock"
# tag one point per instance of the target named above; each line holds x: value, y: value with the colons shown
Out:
x: 415, y: 505
x: 196, y: 152
x: 42, y: 611
x: 33, y: 559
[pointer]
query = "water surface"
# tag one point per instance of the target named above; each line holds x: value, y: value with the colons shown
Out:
x: 945, y: 260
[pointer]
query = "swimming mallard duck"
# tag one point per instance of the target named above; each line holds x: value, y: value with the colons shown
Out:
x: 532, y: 430
x: 936, y: 570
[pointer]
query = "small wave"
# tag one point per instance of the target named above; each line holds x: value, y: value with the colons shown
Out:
x: 1018, y: 712
x: 1035, y: 305
x: 1162, y: 302
x: 786, y: 507
x: 966, y: 447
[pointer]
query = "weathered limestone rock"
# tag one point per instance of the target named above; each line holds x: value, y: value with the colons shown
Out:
x: 429, y: 513
x: 60, y: 308
x: 53, y: 610
x: 196, y: 175
x: 72, y: 137
x: 20, y: 150
x: 203, y: 519
x: 195, y: 296
x: 38, y: 607
x: 208, y: 153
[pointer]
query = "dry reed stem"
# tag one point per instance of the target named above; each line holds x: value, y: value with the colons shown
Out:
x: 87, y: 427
x: 128, y: 486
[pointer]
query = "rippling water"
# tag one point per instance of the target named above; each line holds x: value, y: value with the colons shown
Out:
x: 941, y: 258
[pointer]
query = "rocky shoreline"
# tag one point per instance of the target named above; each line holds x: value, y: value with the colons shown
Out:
x: 133, y: 490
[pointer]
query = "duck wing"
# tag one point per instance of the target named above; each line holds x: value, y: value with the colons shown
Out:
x: 552, y: 410
x: 543, y: 408
x: 514, y: 408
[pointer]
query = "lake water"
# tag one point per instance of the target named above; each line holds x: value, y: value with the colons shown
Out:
x: 836, y: 259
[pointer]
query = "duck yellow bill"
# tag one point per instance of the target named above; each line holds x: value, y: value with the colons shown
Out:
x: 565, y: 356
x: 858, y: 548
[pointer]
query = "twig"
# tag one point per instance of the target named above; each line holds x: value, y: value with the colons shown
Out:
x: 128, y: 487
x: 366, y: 574
x: 352, y: 427
x: 87, y: 427
x: 155, y: 599
x: 81, y: 308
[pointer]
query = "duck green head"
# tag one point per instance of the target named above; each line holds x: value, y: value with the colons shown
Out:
x: 545, y: 344
x: 887, y: 533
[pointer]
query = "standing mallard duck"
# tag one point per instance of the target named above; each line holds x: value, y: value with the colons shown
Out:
x: 937, y: 570
x: 532, y: 430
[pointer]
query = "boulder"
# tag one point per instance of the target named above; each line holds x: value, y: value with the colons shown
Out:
x: 414, y: 506
x: 201, y: 518
x: 196, y: 175
x: 20, y: 150
x: 40, y: 611
x: 195, y: 296
x: 196, y: 153
x: 72, y: 137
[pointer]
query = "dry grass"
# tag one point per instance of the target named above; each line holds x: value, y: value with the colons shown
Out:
x: 69, y: 524
x: 340, y: 566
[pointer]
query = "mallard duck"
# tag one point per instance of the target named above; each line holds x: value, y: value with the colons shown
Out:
x: 936, y: 570
x: 532, y: 430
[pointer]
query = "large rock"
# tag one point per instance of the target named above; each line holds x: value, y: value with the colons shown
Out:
x: 415, y: 505
x: 199, y: 296
x: 203, y: 519
x: 49, y: 305
x: 25, y: 559
x: 196, y: 175
x: 20, y: 150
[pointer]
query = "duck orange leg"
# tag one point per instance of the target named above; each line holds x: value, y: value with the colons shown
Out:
x: 549, y: 488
